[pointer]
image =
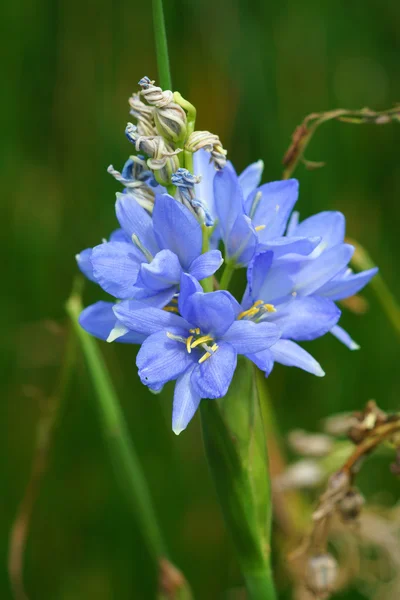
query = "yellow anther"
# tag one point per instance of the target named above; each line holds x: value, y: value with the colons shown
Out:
x: 269, y: 307
x: 174, y: 300
x: 249, y: 313
x: 196, y: 331
x: 188, y: 342
x: 173, y: 309
x: 204, y: 357
x: 258, y: 303
x: 260, y: 227
x: 202, y: 340
x: 214, y: 347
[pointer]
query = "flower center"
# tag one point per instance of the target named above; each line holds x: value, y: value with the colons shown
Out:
x: 258, y: 309
x: 195, y: 340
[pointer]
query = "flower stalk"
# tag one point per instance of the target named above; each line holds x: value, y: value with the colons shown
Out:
x: 237, y: 455
x: 160, y: 37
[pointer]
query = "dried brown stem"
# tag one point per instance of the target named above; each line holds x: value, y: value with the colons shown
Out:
x: 44, y: 437
x: 304, y: 132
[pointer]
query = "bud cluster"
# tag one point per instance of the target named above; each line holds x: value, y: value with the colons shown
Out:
x: 164, y: 132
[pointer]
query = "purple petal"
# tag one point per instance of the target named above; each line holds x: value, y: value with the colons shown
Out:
x: 344, y: 337
x: 206, y: 264
x: 316, y: 272
x: 306, y: 318
x: 241, y: 241
x: 84, y: 263
x: 340, y: 288
x: 145, y: 319
x: 163, y: 272
x: 186, y: 402
x: 211, y: 379
x: 99, y: 320
x: 161, y: 359
x: 213, y: 313
x: 116, y: 267
x: 290, y: 354
x: 135, y: 220
x: 328, y: 225
x: 274, y: 208
x: 177, y: 229
x: 228, y: 199
x: 247, y: 337
x: 263, y: 360
x: 250, y: 178
x: 290, y: 245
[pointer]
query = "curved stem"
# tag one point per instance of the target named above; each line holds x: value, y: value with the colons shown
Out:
x: 160, y: 37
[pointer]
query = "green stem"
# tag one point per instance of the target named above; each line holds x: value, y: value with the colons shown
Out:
x: 125, y: 461
x: 206, y: 284
x: 227, y: 275
x: 160, y: 36
x: 189, y: 161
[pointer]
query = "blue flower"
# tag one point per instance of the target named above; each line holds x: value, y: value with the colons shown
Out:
x: 303, y: 290
x: 198, y: 347
x: 145, y: 259
x: 251, y: 218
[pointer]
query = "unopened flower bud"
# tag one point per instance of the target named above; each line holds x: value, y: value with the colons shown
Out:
x: 321, y: 575
x: 143, y: 114
x: 209, y: 142
x: 154, y: 95
x: 137, y: 179
x: 350, y: 505
x: 171, y: 122
x: 185, y: 181
x: 170, y: 118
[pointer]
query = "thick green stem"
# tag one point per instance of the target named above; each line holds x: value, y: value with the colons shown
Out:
x: 237, y: 456
x: 126, y: 463
x: 160, y: 37
x: 227, y: 276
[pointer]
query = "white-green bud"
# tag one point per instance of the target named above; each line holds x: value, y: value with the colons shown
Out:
x: 144, y: 115
x: 209, y: 142
x: 170, y: 118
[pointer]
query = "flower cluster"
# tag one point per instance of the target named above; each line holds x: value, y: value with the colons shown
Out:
x: 178, y: 208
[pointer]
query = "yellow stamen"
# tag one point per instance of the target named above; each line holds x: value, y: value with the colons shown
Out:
x: 202, y: 340
x: 173, y: 309
x: 196, y: 331
x: 204, y: 357
x: 249, y: 313
x: 270, y: 307
x: 260, y: 227
x: 214, y: 347
x: 174, y: 300
x: 188, y: 342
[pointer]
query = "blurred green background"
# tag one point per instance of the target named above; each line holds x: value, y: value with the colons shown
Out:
x: 253, y: 70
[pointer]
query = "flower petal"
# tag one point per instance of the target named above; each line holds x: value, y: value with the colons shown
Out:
x: 158, y: 299
x: 273, y: 210
x: 293, y: 222
x: 135, y: 220
x: 241, y: 241
x: 316, y: 272
x: 228, y: 198
x: 250, y: 178
x: 177, y: 229
x: 263, y: 360
x: 141, y: 318
x: 306, y: 318
x: 206, y: 264
x: 205, y: 188
x: 247, y: 337
x: 211, y: 378
x: 344, y: 337
x: 329, y: 225
x: 161, y: 359
x: 340, y: 288
x: 99, y: 320
x: 116, y: 267
x: 213, y: 313
x: 290, y: 354
x: 84, y: 263
x: 290, y: 245
x: 119, y: 235
x: 163, y: 272
x: 186, y: 402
